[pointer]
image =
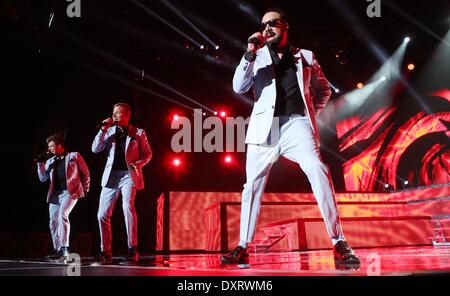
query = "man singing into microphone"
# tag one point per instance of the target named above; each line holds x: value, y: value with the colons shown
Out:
x: 69, y: 181
x: 128, y: 151
x: 290, y: 90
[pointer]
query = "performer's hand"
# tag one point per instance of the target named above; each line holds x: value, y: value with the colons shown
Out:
x: 43, y: 157
x: 252, y: 46
x: 107, y: 123
x: 136, y: 168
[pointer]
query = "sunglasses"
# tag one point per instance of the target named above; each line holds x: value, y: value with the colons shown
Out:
x: 272, y: 23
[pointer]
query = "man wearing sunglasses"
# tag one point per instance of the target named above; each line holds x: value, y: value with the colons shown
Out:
x: 290, y: 90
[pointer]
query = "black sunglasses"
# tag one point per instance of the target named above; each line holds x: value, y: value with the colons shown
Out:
x: 272, y: 23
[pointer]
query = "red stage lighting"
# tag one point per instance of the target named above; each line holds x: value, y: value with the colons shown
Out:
x: 228, y: 159
x: 223, y: 114
x: 176, y: 162
x: 174, y: 115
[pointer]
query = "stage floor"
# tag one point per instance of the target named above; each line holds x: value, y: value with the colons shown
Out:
x: 398, y: 261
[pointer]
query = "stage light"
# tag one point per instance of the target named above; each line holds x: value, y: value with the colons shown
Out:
x: 360, y: 85
x: 215, y: 113
x: 181, y: 15
x: 406, y: 184
x: 217, y: 47
x: 223, y: 114
x: 388, y: 187
x: 176, y: 117
x: 334, y: 88
x: 228, y: 159
x: 176, y: 162
x: 157, y: 16
x: 204, y: 113
x: 202, y: 47
x: 407, y: 39
x: 383, y: 78
x: 411, y: 67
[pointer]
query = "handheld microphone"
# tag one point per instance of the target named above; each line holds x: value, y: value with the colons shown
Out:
x: 43, y: 156
x: 100, y: 125
x: 105, y: 122
x: 254, y: 40
x: 257, y: 41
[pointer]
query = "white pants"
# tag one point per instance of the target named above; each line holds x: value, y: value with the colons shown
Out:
x: 59, y: 218
x: 119, y: 182
x: 296, y: 143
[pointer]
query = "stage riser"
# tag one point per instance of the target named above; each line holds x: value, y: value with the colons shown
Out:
x: 281, y: 211
x: 196, y: 220
x: 368, y: 231
x: 358, y: 233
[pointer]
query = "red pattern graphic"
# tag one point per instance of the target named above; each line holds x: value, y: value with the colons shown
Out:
x: 386, y: 147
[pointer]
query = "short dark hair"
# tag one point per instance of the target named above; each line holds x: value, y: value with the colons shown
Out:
x: 125, y: 106
x: 58, y: 139
x: 281, y: 12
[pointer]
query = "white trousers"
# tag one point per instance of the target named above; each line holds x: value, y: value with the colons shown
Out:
x: 296, y: 143
x: 119, y: 182
x: 59, y: 218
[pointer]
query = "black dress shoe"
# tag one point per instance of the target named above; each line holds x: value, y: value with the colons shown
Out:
x: 238, y: 255
x: 103, y: 258
x: 132, y: 255
x: 54, y: 255
x: 346, y: 266
x: 60, y: 257
x: 343, y: 254
x: 64, y: 252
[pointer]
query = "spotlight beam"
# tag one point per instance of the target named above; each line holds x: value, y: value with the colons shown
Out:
x: 159, y: 41
x: 217, y: 31
x: 391, y: 67
x: 207, y: 57
x: 177, y: 12
x: 52, y: 13
x: 248, y: 10
x: 336, y: 90
x: 131, y: 68
x: 356, y: 98
x: 414, y: 21
x: 356, y: 25
x: 169, y: 88
x: 155, y: 15
x: 95, y: 69
x: 358, y: 28
x: 436, y: 71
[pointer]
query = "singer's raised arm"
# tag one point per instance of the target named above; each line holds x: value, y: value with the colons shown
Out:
x: 243, y: 76
x: 100, y: 140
